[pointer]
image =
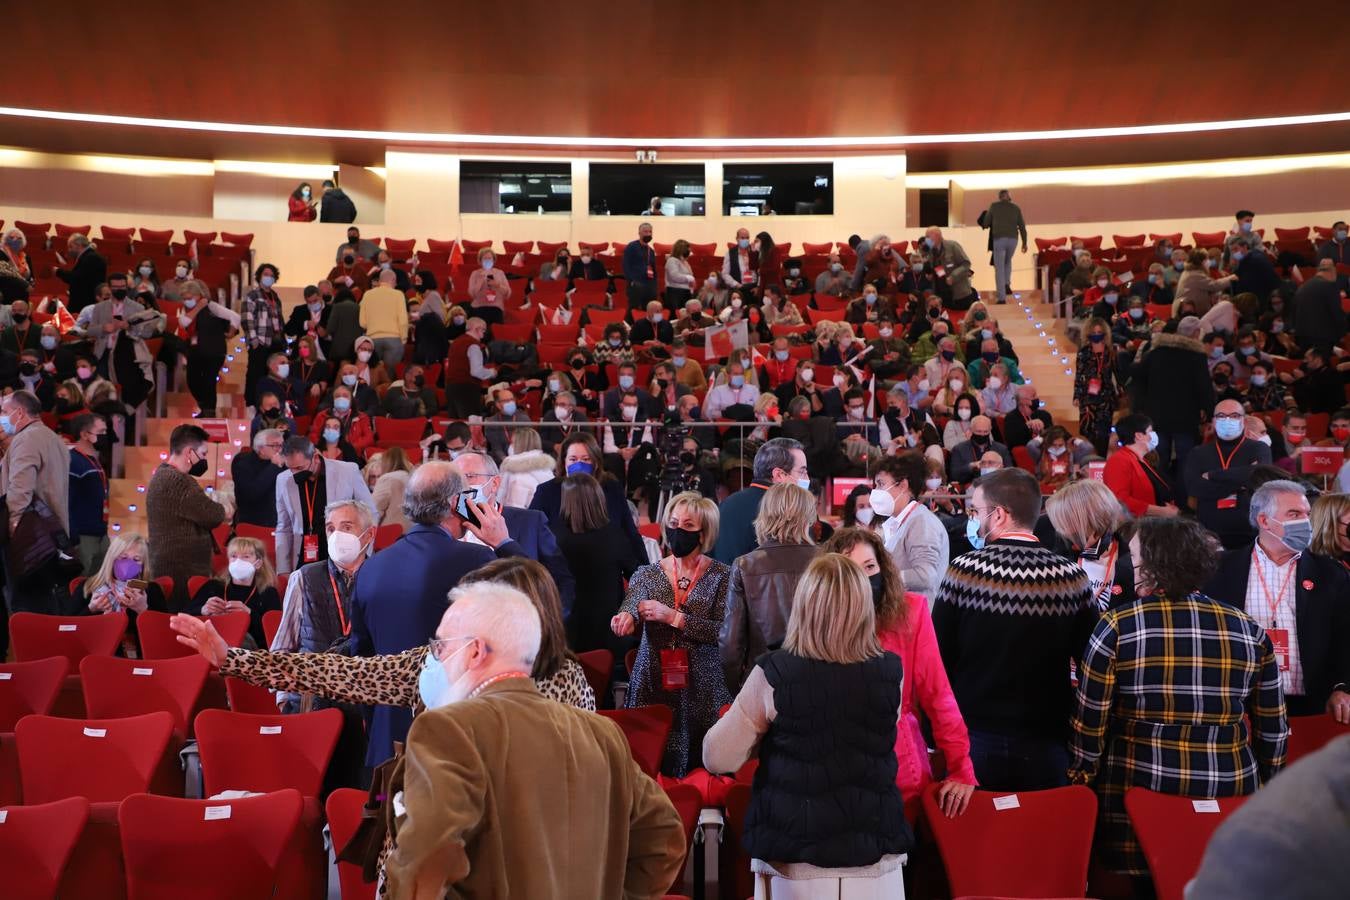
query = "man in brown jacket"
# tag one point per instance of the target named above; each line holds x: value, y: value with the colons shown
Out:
x: 507, y: 794
x: 36, y: 467
x: 180, y: 515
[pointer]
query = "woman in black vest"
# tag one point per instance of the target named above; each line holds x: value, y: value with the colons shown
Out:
x: 822, y: 712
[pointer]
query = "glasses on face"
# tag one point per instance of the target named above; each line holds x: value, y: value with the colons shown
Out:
x: 1232, y: 417
x: 438, y: 646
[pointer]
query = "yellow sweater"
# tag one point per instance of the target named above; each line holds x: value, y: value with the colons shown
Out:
x: 384, y: 313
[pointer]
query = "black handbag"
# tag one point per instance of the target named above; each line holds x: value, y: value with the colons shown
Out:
x: 37, y: 538
x: 378, y: 824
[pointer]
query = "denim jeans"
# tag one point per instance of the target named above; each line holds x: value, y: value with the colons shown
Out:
x: 390, y: 351
x: 1011, y: 763
x: 1004, y: 249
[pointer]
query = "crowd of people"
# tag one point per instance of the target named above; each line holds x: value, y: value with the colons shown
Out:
x: 998, y: 586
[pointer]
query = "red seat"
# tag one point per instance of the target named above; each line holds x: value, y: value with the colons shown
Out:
x: 1307, y: 734
x: 206, y: 849
x: 157, y: 236
x: 1093, y: 243
x: 65, y: 231
x: 688, y: 802
x: 1173, y: 833
x: 646, y: 728
x: 102, y: 760
x: 1037, y: 848
x: 1159, y: 310
x: 119, y: 236
x: 262, y: 533
x: 598, y: 666
x: 604, y: 317
x: 390, y: 431
x: 238, y: 240
x: 1292, y: 234
x: 38, y: 636
x: 35, y: 233
x: 1318, y: 423
x: 116, y: 687
x: 271, y: 620
x: 1322, y: 233
x: 400, y: 249
x: 385, y: 535
x: 816, y: 249
x: 558, y: 334
x: 1022, y: 457
x: 438, y: 246
x: 344, y: 808
x: 1206, y: 239
x: 516, y: 334
x: 733, y: 860
x: 471, y: 248
x: 594, y: 248
x: 35, y: 845
x: 1175, y: 238
x: 549, y: 249
x: 816, y: 316
x: 203, y: 238
x: 243, y: 697
x: 29, y: 688
x: 1121, y: 241
x: 158, y: 641
x: 514, y: 247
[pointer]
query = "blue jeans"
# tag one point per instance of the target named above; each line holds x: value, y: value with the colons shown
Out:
x: 1003, y: 248
x: 1009, y: 763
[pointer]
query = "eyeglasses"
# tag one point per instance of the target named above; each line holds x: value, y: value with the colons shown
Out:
x: 437, y: 646
x: 1232, y: 417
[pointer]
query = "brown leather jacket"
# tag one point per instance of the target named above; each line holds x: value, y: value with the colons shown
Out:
x: 759, y: 602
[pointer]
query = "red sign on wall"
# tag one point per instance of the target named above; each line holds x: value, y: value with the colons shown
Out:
x: 1321, y: 460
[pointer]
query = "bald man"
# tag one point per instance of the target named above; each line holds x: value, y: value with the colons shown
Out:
x: 509, y: 794
x: 1217, y: 475
x: 384, y: 316
x: 966, y: 456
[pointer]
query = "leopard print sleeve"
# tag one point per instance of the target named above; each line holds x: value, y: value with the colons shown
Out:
x: 391, y: 680
x: 569, y: 686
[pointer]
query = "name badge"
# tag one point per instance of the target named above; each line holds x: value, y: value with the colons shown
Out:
x: 311, y: 548
x: 1229, y: 502
x: 1279, y: 639
x: 674, y: 669
x: 1094, y: 386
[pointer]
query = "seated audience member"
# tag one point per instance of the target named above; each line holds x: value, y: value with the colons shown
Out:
x: 123, y: 584
x: 356, y: 427
x: 614, y: 348
x: 988, y: 463
x: 1264, y: 392
x: 1027, y: 420
x: 390, y: 486
x: 626, y: 382
x: 1298, y: 598
x: 1225, y: 386
x: 332, y: 445
x: 307, y: 316
x: 272, y: 414
x: 22, y: 334
x: 314, y: 374
x: 868, y: 307
x: 246, y: 585
x: 960, y: 425
x: 737, y: 391
x: 802, y: 384
x: 590, y: 380
x: 844, y: 379
x: 928, y: 344
x: 905, y: 628
x: 779, y: 366
x: 411, y: 397
x: 779, y: 310
x: 1317, y: 386
x: 494, y: 428
x: 370, y: 369
x: 688, y: 372
x: 858, y: 512
x: 905, y: 427
x: 854, y: 424
x: 1133, y: 326
x: 815, y: 434
x: 255, y: 479
x: 795, y: 283
x: 1087, y: 520
x: 831, y: 644
x: 1132, y: 472
x: 1078, y: 280
x: 653, y: 332
x: 1055, y: 466
x: 1217, y: 475
x: 1246, y: 354
x: 351, y: 272
x: 1294, y: 437
x: 941, y: 367
x: 1224, y: 742
x: 889, y: 354
x: 1331, y: 527
x: 1010, y: 616
x: 361, y: 397
x: 665, y: 389
x: 560, y: 421
x: 999, y: 396
x: 695, y: 321
x: 834, y: 281
x: 916, y: 387
x: 1154, y: 288
x: 525, y: 467
x: 587, y: 267
x: 913, y: 536
x: 1216, y: 342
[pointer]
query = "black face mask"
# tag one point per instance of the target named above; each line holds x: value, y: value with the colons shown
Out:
x: 271, y: 413
x: 301, y: 477
x: 681, y: 542
x: 198, y: 469
x: 878, y: 588
x: 646, y: 239
x: 103, y: 441
x: 979, y: 441
x: 663, y: 383
x: 578, y: 363
x: 1220, y: 379
x: 119, y: 293
x: 19, y: 318
x: 348, y: 259
x: 418, y: 381
x: 934, y: 313
x: 28, y: 368
x: 327, y: 298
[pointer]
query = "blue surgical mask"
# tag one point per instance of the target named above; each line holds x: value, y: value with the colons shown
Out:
x: 331, y: 435
x: 1297, y: 535
x: 1228, y: 429
x: 928, y: 242
x: 678, y: 361
x: 433, y: 684
x: 1238, y: 255
x: 267, y: 281
x: 804, y: 483
x: 986, y: 334
x: 973, y: 533
x: 1153, y: 440
x: 509, y: 408
x: 580, y: 467
x: 7, y: 425
x: 342, y: 404
x: 1136, y: 313
x: 625, y: 381
x: 737, y: 381
x: 487, y: 265
x: 743, y: 243
x: 349, y: 380
x: 49, y: 342
x: 1258, y: 381
x: 870, y: 298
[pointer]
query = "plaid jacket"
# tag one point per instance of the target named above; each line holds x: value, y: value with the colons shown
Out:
x: 1162, y: 694
x: 262, y: 318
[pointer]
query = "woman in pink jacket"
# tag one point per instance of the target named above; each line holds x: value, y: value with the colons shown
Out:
x: 906, y: 629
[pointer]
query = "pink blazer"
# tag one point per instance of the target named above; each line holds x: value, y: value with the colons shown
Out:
x: 925, y: 681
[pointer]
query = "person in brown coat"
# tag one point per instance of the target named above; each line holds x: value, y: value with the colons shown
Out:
x: 179, y: 514
x: 507, y: 794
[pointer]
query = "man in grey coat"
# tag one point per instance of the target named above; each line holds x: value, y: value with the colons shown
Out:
x: 1005, y: 223
x: 305, y: 487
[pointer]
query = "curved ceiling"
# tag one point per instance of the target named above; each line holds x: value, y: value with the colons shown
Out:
x: 700, y: 69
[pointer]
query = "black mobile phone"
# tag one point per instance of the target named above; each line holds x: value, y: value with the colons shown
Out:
x: 463, y: 510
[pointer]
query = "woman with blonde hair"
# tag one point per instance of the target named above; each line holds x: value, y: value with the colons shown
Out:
x: 905, y: 628
x: 246, y: 584
x: 955, y: 385
x: 1087, y: 519
x: 1096, y: 390
x: 679, y: 604
x: 387, y: 492
x: 826, y: 817
x: 1331, y: 527
x: 759, y: 600
x: 524, y: 469
x: 122, y: 583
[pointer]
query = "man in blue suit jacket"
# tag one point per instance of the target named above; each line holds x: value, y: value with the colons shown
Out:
x: 401, y: 591
x: 527, y: 527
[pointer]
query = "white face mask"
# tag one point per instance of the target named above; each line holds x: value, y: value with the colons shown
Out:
x: 181, y: 271
x: 994, y: 383
x: 963, y: 413
x: 242, y: 570
x: 363, y: 355
x: 956, y: 385
x: 883, y: 504
x: 933, y: 483
x: 865, y: 516
x: 808, y: 375
x: 840, y: 381
x: 344, y: 548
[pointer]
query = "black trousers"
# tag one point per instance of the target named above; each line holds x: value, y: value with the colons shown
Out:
x: 463, y: 400
x: 203, y: 368
x: 640, y: 294
x: 257, y: 368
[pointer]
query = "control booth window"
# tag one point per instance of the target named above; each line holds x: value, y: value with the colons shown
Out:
x: 635, y: 189
x: 490, y: 186
x: 783, y: 189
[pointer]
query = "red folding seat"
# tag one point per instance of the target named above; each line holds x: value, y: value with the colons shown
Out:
x: 1292, y: 234
x: 555, y: 355
x: 598, y: 666
x: 511, y: 248
x: 207, y: 849
x: 242, y: 697
x: 392, y: 431
x: 114, y: 235
x: 1323, y: 234
x: 65, y: 231
x: 549, y: 249
x: 239, y: 240
x: 271, y: 620
x: 1173, y: 832
x: 37, y: 636
x: 115, y: 687
x: 156, y: 235
x: 1175, y: 238
x: 517, y: 334
x: 1093, y: 243
x: 158, y: 641
x: 1307, y: 734
x: 604, y: 317
x: 28, y: 688
x: 271, y: 753
x: 593, y: 247
x: 688, y: 802
x: 36, y: 233
x: 1028, y: 844
x: 1044, y: 244
x: 646, y: 728
x: 548, y: 292
x: 1121, y: 241
x: 733, y: 860
x: 35, y: 846
x: 471, y: 248
x: 203, y: 238
x: 1206, y: 239
x: 344, y: 808
x: 400, y: 249
x: 386, y: 535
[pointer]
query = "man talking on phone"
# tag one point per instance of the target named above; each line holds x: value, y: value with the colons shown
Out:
x: 400, y: 592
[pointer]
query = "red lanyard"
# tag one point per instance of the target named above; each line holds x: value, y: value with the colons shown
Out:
x: 310, y: 490
x: 1223, y: 463
x: 337, y: 601
x: 909, y: 508
x: 1273, y: 601
x: 683, y: 595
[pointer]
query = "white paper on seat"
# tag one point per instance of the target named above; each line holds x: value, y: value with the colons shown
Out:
x: 96, y: 732
x: 216, y: 812
x: 4, y: 814
x: 1205, y: 806
x: 1008, y: 802
x: 142, y: 671
x: 6, y: 676
x: 67, y: 627
x: 269, y: 729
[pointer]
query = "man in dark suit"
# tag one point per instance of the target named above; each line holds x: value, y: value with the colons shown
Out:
x: 401, y: 592
x: 559, y: 421
x: 527, y: 527
x: 1319, y: 320
x: 1299, y: 597
x: 87, y: 271
x: 779, y: 459
x: 817, y: 435
x: 653, y: 330
x: 336, y: 205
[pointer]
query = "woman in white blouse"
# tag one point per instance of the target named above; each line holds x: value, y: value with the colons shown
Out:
x: 680, y: 282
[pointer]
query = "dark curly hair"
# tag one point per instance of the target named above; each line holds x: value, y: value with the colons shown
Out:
x: 1176, y: 555
x: 892, y: 611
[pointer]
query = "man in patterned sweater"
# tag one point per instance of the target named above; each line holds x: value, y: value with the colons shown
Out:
x: 1010, y: 618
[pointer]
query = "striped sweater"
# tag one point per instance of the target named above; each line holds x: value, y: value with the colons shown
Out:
x: 1009, y: 618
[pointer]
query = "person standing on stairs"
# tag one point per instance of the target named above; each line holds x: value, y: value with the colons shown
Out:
x: 204, y: 326
x: 1005, y: 223
x: 263, y: 326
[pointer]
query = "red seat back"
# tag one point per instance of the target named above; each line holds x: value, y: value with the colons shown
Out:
x: 471, y: 248
x: 1206, y: 239
x: 157, y: 235
x: 598, y: 666
x: 102, y: 760
x: 271, y: 620
x: 647, y: 728
x: 158, y: 641
x: 205, y: 849
x: 203, y: 238
x: 238, y: 240
x: 243, y: 697
x: 734, y: 860
x: 28, y: 688
x: 36, y: 843
x: 1173, y: 832
x: 1038, y: 847
x: 688, y: 802
x: 266, y: 753
x: 385, y: 535
x: 263, y: 533
x: 393, y: 431
x: 37, y: 636
x: 116, y: 687
x: 344, y: 814
x: 1307, y: 734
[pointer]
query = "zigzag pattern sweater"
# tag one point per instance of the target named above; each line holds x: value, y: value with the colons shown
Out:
x: 1009, y: 618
